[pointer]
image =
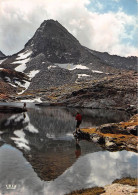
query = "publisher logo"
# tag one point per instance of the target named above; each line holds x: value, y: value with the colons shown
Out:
x: 10, y: 187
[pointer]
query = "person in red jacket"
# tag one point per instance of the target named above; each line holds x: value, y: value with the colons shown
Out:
x: 79, y: 119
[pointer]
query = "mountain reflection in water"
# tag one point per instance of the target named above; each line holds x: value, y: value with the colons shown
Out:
x: 94, y: 169
x: 39, y: 145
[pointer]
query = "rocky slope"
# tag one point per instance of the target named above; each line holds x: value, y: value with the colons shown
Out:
x: 111, y: 92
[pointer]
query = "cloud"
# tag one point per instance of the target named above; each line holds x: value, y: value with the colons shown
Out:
x: 78, y: 176
x: 116, y: 0
x: 102, y: 32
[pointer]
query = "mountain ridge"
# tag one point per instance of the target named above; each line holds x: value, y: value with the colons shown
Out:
x: 60, y: 46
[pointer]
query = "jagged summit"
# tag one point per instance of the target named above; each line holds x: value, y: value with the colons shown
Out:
x: 55, y: 42
x: 54, y: 28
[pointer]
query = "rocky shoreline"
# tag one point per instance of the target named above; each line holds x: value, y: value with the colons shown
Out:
x: 113, y: 136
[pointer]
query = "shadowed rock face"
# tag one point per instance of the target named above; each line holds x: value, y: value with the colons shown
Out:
x: 2, y: 55
x: 54, y: 41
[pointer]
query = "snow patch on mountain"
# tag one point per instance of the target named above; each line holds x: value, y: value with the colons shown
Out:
x: 83, y: 75
x: 79, y: 66
x: 32, y: 100
x: 97, y: 71
x: 24, y: 55
x: 49, y: 67
x: 72, y: 66
x: 32, y: 73
x: 22, y: 65
x: 22, y: 59
x: 12, y: 85
x: 26, y: 84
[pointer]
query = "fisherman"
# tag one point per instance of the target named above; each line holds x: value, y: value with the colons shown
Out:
x: 79, y: 120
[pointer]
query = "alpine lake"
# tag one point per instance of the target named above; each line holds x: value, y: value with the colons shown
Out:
x: 39, y: 154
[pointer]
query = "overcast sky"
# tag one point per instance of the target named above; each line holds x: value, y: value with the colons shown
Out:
x: 103, y: 25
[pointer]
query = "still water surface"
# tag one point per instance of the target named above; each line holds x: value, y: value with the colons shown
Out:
x: 39, y: 155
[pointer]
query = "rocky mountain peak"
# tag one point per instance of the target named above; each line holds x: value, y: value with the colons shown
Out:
x: 55, y: 42
x: 53, y: 57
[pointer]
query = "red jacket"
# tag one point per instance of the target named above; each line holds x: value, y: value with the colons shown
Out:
x: 78, y: 117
